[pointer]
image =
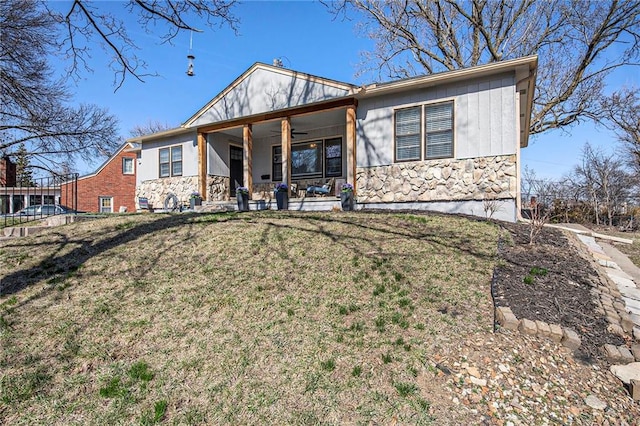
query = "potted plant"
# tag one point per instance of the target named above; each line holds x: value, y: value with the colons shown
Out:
x: 195, y: 200
x: 282, y: 196
x: 346, y: 197
x: 242, y: 195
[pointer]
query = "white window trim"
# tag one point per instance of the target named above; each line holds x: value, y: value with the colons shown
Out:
x: 171, y: 162
x: 100, y: 204
x: 133, y: 165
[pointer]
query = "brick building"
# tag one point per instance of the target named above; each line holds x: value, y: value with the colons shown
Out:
x: 112, y: 187
x: 7, y: 172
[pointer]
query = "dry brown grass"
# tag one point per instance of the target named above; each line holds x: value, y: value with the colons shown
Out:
x: 260, y: 318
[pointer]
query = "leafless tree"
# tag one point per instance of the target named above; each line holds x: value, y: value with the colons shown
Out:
x: 579, y: 43
x: 603, y: 181
x: 148, y: 128
x: 490, y: 205
x: 34, y: 108
x: 622, y: 115
x: 541, y: 195
x: 86, y: 22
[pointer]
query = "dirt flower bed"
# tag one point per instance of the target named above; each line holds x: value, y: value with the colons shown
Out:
x: 551, y: 281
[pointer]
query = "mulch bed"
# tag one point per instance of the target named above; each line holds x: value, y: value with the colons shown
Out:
x: 551, y: 282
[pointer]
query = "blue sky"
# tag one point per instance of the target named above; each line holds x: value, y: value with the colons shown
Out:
x: 307, y: 39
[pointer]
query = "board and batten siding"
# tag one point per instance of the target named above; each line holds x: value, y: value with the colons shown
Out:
x: 484, y: 119
x: 149, y: 167
x: 265, y: 91
x: 218, y: 153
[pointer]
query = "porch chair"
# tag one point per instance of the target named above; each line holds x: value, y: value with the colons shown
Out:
x: 321, y: 190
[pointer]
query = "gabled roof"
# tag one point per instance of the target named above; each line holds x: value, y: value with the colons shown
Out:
x: 127, y: 147
x: 264, y: 88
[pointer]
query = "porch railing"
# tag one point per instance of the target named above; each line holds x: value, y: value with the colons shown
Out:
x: 21, y: 203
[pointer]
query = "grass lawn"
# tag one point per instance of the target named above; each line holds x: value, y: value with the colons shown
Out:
x: 263, y: 317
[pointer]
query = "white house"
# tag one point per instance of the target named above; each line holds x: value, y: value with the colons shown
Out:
x: 447, y: 142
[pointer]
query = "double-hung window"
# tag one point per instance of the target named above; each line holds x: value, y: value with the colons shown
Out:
x: 171, y: 161
x: 408, y: 138
x: 437, y: 136
x: 176, y: 161
x: 276, y: 169
x: 439, y: 130
x: 333, y: 157
x: 127, y: 166
x: 105, y: 204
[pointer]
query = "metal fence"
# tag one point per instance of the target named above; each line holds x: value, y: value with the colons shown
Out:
x: 53, y: 195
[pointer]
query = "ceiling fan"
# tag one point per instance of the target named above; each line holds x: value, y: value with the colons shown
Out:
x: 293, y: 133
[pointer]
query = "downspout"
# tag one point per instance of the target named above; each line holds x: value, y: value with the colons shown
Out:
x: 518, y: 164
x: 529, y: 78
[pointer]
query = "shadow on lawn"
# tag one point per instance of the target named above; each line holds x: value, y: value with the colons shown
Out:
x: 63, y: 265
x: 55, y: 264
x: 430, y: 232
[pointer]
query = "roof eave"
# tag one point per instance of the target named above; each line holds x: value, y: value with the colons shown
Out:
x: 448, y: 76
x: 158, y: 135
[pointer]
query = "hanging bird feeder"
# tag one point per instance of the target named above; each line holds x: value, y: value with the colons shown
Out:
x: 190, y: 72
x: 190, y: 57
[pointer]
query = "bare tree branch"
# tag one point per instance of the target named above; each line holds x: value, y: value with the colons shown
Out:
x: 85, y: 21
x: 34, y: 108
x: 579, y: 44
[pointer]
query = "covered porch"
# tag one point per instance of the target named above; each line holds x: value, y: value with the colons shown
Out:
x: 303, y: 147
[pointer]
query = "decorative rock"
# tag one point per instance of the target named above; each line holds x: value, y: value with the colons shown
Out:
x: 570, y: 339
x: 612, y: 317
x: 478, y: 382
x: 626, y: 322
x: 634, y: 389
x: 619, y: 306
x: 543, y: 329
x: 506, y: 318
x: 473, y: 371
x: 627, y: 372
x: 636, y: 333
x: 635, y: 350
x: 528, y: 327
x: 556, y: 332
x: 503, y: 368
x: 625, y: 355
x: 595, y: 402
x: 616, y: 330
x: 612, y: 354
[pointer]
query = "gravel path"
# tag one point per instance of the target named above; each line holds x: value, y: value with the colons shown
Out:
x: 508, y: 378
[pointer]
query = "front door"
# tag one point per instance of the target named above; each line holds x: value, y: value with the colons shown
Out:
x: 236, y: 169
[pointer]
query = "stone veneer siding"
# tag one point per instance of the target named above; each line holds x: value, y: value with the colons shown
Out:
x: 438, y: 180
x: 156, y: 190
x: 218, y: 188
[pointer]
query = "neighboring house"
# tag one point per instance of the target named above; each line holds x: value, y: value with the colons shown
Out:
x: 15, y: 197
x: 7, y: 172
x: 448, y: 142
x: 112, y: 187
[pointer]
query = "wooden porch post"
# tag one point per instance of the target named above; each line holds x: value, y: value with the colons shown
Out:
x: 351, y: 146
x: 247, y: 145
x: 286, y: 150
x: 202, y: 164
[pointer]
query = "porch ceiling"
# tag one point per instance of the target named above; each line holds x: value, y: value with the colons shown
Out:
x: 301, y: 123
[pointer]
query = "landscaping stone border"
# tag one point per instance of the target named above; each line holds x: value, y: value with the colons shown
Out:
x: 564, y: 335
x: 609, y: 303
